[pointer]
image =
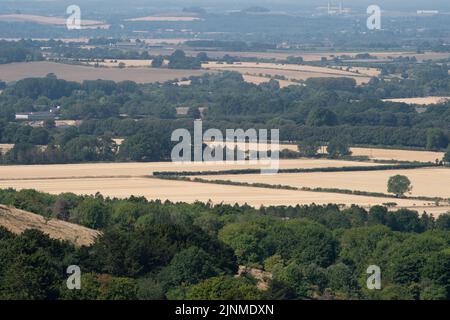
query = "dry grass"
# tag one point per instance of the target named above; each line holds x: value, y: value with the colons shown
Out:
x: 289, y: 71
x: 252, y: 145
x: 258, y: 80
x: 372, y: 153
x: 371, y: 72
x: 181, y: 191
x: 17, y: 71
x: 4, y: 148
x: 399, y: 155
x: 307, y: 56
x: 262, y: 277
x: 125, y: 179
x: 423, y: 101
x: 58, y: 21
x: 68, y: 123
x: 17, y: 221
x: 127, y: 62
x: 139, y: 169
x: 317, y: 56
x: 430, y: 182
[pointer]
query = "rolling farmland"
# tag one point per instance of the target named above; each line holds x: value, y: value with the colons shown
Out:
x: 125, y: 179
x: 371, y: 153
x: 290, y: 72
x: 139, y: 169
x: 181, y: 191
x: 17, y: 71
x: 430, y: 182
x: 398, y: 155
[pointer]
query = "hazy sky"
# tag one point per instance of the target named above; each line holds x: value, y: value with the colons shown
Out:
x: 239, y: 4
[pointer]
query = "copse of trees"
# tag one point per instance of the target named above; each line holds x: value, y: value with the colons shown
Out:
x: 18, y: 52
x: 338, y: 147
x: 179, y: 60
x: 309, y: 147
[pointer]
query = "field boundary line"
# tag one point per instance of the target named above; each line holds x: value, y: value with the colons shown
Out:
x: 76, y: 178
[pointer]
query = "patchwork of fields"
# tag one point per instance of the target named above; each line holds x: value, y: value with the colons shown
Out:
x: 292, y: 72
x: 429, y: 182
x: 371, y: 153
x: 125, y: 179
x: 182, y: 191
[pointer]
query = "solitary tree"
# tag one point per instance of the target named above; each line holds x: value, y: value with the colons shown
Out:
x: 399, y: 185
x: 157, y: 62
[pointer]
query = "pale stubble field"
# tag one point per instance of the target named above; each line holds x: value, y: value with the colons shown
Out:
x: 122, y: 180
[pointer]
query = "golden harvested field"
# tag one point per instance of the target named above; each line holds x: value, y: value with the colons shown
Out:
x: 58, y: 21
x: 17, y: 221
x: 16, y: 71
x: 316, y: 56
x: 429, y: 182
x: 372, y: 72
x: 399, y: 155
x: 289, y: 71
x: 258, y: 80
x: 372, y: 153
x: 126, y: 179
x: 5, y: 148
x: 423, y: 101
x: 181, y: 191
x: 139, y: 169
x: 252, y: 145
x: 128, y: 63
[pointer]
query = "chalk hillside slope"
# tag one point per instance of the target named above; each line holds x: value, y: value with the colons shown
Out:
x: 17, y: 221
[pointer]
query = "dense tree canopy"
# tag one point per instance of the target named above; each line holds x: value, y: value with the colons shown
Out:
x: 154, y: 250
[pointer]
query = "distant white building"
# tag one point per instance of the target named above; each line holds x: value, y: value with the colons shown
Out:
x: 339, y: 9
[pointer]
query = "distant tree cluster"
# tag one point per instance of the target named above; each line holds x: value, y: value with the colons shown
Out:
x: 18, y: 52
x: 324, y: 112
